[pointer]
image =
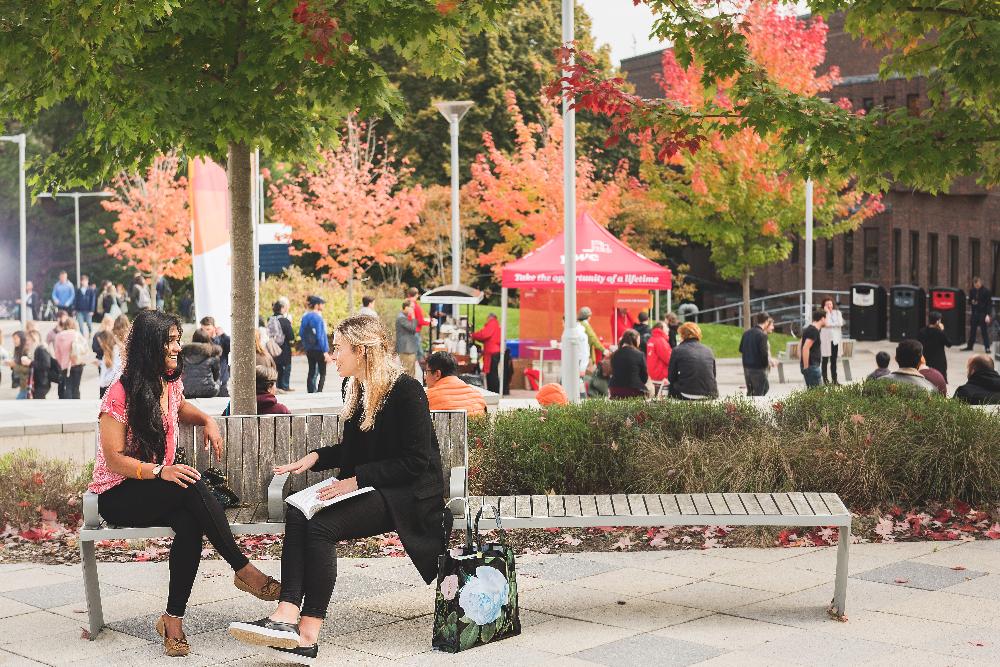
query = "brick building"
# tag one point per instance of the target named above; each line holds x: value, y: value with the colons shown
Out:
x: 923, y: 239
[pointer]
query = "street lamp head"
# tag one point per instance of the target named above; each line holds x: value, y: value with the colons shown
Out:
x: 454, y: 109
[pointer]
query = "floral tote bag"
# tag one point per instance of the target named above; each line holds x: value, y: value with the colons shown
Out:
x: 476, y: 601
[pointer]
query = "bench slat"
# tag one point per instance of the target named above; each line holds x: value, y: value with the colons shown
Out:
x: 539, y: 506
x: 522, y: 507
x: 685, y: 504
x: 701, y: 504
x: 653, y: 504
x: 572, y: 505
x: 817, y: 503
x: 588, y: 506
x: 733, y: 503
x: 250, y: 464
x: 185, y: 442
x: 638, y: 505
x: 507, y: 506
x: 605, y: 507
x: 265, y: 467
x: 784, y: 504
x: 298, y: 450
x: 750, y: 503
x: 234, y: 454
x: 669, y: 502
x: 494, y: 501
x: 314, y: 440
x: 556, y: 506
x: 620, y: 505
x: 800, y: 504
x: 475, y: 503
x: 767, y: 503
x: 283, y: 440
x: 834, y: 503
x: 718, y: 503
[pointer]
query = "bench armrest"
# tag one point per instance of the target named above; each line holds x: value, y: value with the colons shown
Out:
x: 91, y: 515
x: 276, y: 498
x: 456, y: 484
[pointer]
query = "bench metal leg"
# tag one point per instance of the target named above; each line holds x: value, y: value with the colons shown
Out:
x: 839, y: 607
x: 847, y: 369
x: 92, y: 586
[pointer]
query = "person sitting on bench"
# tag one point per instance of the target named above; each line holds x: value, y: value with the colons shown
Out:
x: 139, y: 484
x: 388, y: 444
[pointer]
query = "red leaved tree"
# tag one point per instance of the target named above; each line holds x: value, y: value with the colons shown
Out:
x: 522, y: 192
x: 153, y: 229
x: 349, y: 208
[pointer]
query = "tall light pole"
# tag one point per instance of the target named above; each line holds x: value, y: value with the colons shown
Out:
x: 453, y: 112
x: 75, y: 196
x: 19, y: 139
x: 809, y: 253
x: 570, y: 375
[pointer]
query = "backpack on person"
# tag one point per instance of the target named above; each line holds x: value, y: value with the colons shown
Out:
x: 275, y: 336
x: 78, y: 351
x: 310, y: 341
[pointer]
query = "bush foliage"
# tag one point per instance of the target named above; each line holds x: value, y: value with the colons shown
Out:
x: 873, y: 443
x: 34, y: 489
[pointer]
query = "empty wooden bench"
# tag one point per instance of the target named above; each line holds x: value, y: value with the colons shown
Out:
x: 253, y: 445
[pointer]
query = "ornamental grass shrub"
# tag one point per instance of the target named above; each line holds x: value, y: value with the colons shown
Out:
x: 873, y: 443
x: 35, y: 489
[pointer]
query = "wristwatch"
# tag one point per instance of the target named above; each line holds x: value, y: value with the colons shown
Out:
x: 157, y: 470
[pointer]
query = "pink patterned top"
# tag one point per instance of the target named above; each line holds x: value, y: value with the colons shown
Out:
x: 114, y: 403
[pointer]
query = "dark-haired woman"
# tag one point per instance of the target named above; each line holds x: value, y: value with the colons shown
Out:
x: 628, y: 368
x: 140, y: 485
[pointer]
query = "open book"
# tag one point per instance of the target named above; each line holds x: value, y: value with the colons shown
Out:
x: 308, y: 502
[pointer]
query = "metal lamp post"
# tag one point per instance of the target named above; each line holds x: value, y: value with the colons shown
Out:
x: 809, y: 254
x: 453, y: 112
x: 570, y: 375
x: 75, y: 196
x: 20, y: 139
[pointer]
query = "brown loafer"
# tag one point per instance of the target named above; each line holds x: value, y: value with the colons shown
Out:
x: 174, y: 648
x: 269, y: 592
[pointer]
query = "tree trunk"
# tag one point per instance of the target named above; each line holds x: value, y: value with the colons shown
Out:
x: 746, y: 298
x: 244, y: 322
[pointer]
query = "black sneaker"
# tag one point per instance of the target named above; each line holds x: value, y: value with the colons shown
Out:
x: 266, y: 632
x: 302, y: 655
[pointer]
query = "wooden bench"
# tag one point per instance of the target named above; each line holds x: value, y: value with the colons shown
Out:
x: 253, y: 445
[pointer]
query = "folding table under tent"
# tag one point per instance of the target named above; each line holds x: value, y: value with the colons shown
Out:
x: 603, y: 264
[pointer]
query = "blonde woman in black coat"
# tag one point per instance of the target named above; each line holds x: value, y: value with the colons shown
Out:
x: 389, y: 444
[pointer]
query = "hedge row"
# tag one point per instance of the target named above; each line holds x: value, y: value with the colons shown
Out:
x: 873, y: 443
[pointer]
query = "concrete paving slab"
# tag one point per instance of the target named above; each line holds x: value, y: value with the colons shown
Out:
x: 31, y: 578
x: 915, y: 574
x: 12, y: 660
x: 567, y: 636
x: 57, y: 595
x: 650, y: 650
x: 725, y: 631
x: 640, y: 614
x: 564, y: 568
x: 10, y: 607
x: 37, y: 624
x: 983, y: 587
x: 821, y: 650
x: 68, y: 645
x: 712, y: 596
x: 196, y: 621
x: 950, y: 608
x: 766, y: 577
x: 632, y: 581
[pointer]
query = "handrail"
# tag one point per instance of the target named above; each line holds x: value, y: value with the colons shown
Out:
x: 739, y: 304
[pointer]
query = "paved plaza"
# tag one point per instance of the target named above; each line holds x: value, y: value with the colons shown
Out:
x: 920, y: 603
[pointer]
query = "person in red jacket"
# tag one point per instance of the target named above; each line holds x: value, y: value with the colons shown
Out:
x: 658, y: 352
x: 418, y: 316
x: 489, y: 336
x: 621, y: 322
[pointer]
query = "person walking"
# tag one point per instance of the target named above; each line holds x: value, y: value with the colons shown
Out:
x: 489, y: 336
x: 418, y: 315
x: 279, y: 330
x: 406, y: 343
x: 162, y: 291
x: 202, y: 368
x: 63, y: 293
x: 44, y: 369
x: 139, y: 483
x: 32, y: 301
x: 389, y: 444
x: 71, y: 352
x: 312, y: 333
x: 692, y: 372
x: 935, y: 340
x: 140, y: 293
x: 107, y: 324
x: 810, y: 350
x: 980, y: 310
x: 658, y: 351
x: 829, y: 339
x: 983, y: 385
x: 628, y: 368
x: 85, y: 305
x: 123, y: 298
x: 756, y: 356
x: 367, y: 307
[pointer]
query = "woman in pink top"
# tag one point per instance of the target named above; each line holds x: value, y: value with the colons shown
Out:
x: 140, y: 485
x: 70, y: 348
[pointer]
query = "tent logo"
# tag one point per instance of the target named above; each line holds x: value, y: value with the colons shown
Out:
x: 591, y: 254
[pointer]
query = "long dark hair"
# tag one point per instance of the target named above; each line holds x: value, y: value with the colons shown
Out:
x: 142, y: 379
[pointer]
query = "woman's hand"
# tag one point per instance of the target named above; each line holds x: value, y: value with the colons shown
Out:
x: 180, y: 474
x: 338, y: 488
x: 298, y: 467
x: 213, y: 438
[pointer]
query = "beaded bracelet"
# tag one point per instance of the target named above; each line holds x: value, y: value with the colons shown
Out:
x: 138, y: 471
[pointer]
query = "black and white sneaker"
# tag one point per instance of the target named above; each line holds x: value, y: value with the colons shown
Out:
x: 266, y: 632
x: 301, y: 655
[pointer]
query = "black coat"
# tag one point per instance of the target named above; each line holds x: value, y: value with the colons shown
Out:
x: 692, y: 370
x: 401, y: 459
x: 980, y: 302
x: 983, y: 388
x: 934, y: 341
x: 286, y: 347
x: 628, y: 369
x: 202, y: 368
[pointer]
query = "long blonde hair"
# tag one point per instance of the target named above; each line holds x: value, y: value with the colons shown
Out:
x: 380, y: 370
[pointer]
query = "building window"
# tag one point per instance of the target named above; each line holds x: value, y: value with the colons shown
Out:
x: 914, y: 258
x: 897, y: 256
x: 974, y: 258
x: 889, y: 101
x: 871, y: 253
x: 848, y: 253
x: 828, y: 255
x: 867, y: 103
x: 932, y: 260
x: 913, y: 104
x: 795, y: 251
x: 953, y: 261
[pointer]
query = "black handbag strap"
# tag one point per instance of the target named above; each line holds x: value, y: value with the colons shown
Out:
x: 496, y: 517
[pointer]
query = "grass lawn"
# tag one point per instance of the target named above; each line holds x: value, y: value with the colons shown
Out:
x: 724, y: 339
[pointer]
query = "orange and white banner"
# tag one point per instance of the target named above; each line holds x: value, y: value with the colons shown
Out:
x: 210, y: 222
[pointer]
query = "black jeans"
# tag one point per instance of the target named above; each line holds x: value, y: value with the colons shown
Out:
x: 317, y: 371
x: 978, y: 323
x: 192, y: 513
x: 756, y: 380
x: 284, y: 374
x: 69, y: 382
x: 832, y: 361
x: 309, y: 552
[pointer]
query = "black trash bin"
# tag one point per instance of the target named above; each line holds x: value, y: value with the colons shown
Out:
x: 868, y: 315
x: 907, y: 311
x: 950, y: 302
